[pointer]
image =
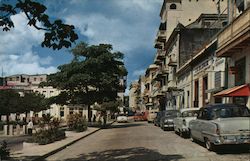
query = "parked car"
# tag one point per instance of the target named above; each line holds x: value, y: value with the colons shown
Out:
x: 167, y: 120
x: 122, y: 118
x: 181, y: 122
x: 140, y: 116
x: 221, y: 124
x: 151, y: 115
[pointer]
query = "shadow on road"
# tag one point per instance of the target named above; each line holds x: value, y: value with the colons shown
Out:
x: 228, y: 149
x: 233, y: 149
x: 131, y: 154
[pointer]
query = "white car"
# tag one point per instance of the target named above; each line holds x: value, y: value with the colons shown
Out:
x: 181, y: 122
x: 122, y: 118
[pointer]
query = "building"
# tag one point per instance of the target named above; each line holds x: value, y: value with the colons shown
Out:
x: 177, y: 40
x: 133, y: 95
x: 233, y: 45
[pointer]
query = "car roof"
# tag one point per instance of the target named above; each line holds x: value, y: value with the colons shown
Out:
x: 222, y: 106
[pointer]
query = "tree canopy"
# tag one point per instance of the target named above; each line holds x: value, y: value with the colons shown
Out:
x: 92, y: 76
x: 12, y: 102
x: 57, y: 35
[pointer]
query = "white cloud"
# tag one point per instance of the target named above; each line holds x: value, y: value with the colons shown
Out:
x: 23, y: 64
x: 137, y: 73
x: 16, y: 53
x: 147, y: 5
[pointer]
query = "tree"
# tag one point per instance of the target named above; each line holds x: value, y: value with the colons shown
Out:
x: 9, y: 103
x: 33, y: 102
x: 111, y: 106
x: 92, y: 76
x: 57, y: 35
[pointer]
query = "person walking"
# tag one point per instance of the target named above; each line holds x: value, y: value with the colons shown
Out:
x: 30, y: 127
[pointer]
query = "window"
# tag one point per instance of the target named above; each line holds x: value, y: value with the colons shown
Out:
x: 173, y: 6
x: 240, y: 75
x: 41, y: 79
x: 35, y: 79
x: 61, y: 111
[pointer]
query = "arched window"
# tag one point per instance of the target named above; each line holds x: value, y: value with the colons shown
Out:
x: 173, y: 6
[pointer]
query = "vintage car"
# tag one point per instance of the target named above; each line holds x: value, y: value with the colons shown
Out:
x: 122, y: 118
x: 140, y: 116
x: 181, y: 122
x: 221, y: 124
x: 167, y: 120
x: 152, y: 115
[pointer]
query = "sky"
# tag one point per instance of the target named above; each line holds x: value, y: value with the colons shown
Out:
x: 129, y: 25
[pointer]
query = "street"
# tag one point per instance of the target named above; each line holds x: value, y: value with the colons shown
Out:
x: 140, y: 141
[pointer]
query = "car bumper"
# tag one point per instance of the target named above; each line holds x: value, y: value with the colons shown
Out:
x: 231, y: 139
x: 168, y: 125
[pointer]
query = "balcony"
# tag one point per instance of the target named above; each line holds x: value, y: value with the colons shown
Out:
x: 160, y: 54
x: 172, y: 62
x: 164, y: 70
x: 161, y: 37
x: 236, y: 36
x: 158, y: 45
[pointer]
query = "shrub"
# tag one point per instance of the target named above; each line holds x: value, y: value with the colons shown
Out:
x: 48, y: 136
x: 77, y: 122
x: 49, y: 132
x: 4, y: 151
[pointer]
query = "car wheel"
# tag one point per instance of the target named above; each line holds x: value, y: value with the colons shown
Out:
x: 210, y: 146
x: 191, y: 137
x: 181, y: 133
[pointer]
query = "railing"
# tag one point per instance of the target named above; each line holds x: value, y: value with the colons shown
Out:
x: 236, y: 29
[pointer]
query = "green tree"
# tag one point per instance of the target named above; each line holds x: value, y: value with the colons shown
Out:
x: 10, y: 101
x: 33, y: 102
x: 57, y: 35
x: 111, y: 106
x: 92, y: 76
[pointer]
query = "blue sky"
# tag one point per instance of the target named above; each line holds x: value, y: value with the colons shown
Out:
x: 129, y: 25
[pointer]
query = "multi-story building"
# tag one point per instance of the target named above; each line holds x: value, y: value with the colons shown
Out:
x: 233, y: 44
x: 133, y: 95
x: 149, y: 87
x: 186, y: 12
x: 177, y: 18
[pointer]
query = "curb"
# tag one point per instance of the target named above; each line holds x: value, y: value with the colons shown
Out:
x: 41, y: 158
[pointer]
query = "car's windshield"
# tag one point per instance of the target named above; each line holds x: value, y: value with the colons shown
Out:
x: 191, y: 113
x: 230, y: 112
x: 171, y: 113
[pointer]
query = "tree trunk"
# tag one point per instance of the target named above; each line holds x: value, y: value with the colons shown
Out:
x: 89, y: 114
x: 7, y: 122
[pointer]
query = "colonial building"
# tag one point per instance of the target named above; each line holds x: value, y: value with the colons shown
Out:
x: 234, y: 45
x: 133, y: 95
x: 180, y: 31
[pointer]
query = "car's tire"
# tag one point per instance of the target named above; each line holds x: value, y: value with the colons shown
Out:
x: 191, y: 137
x: 210, y: 146
x: 181, y: 133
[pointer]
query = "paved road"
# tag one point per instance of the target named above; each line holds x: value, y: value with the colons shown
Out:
x: 140, y: 141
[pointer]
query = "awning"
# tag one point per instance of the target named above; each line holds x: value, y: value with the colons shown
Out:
x: 237, y: 91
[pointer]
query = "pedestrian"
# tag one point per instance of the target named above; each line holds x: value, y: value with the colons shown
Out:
x: 94, y: 118
x: 30, y: 127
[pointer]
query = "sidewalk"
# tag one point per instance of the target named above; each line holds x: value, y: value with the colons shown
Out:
x: 32, y: 151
